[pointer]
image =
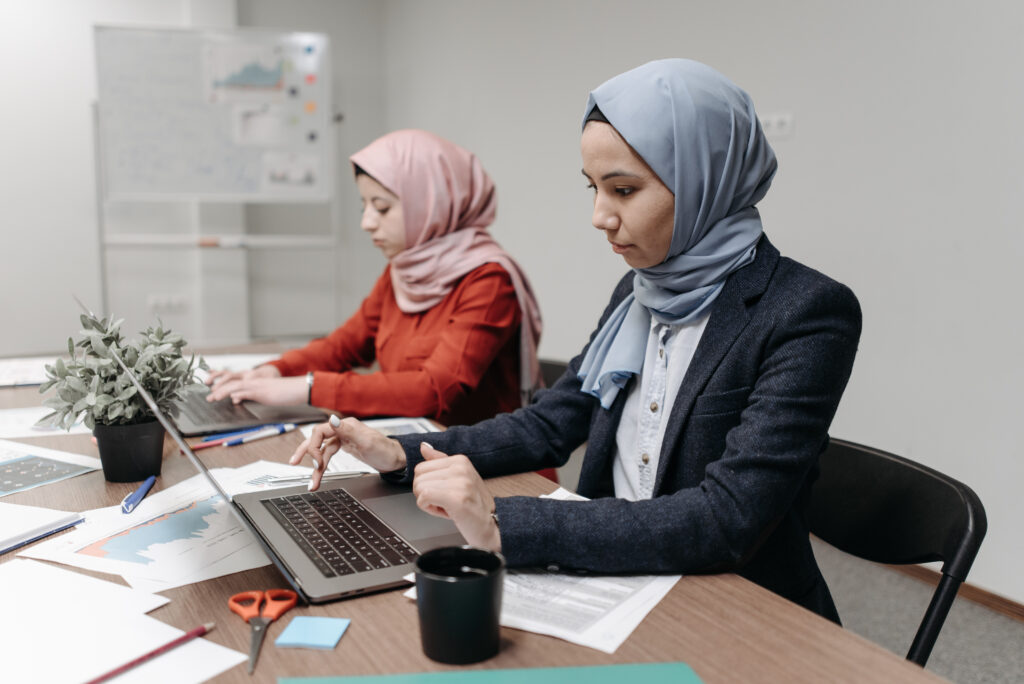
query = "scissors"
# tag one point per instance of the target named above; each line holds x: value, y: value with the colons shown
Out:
x: 249, y: 605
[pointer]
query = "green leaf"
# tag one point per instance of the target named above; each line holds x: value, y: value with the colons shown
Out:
x: 47, y: 420
x: 67, y: 394
x: 76, y: 384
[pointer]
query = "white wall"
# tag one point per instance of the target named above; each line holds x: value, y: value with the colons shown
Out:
x: 48, y: 193
x: 901, y: 180
x: 287, y: 288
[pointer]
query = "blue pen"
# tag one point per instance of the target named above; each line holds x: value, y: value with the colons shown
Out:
x: 132, y: 500
x: 268, y: 431
x: 225, y: 435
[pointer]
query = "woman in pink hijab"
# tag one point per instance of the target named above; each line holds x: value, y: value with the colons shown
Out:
x: 452, y: 321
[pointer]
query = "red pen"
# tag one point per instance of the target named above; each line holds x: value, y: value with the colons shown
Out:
x: 187, y: 636
x: 206, y: 445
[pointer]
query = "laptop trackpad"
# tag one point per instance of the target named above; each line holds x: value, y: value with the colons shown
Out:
x: 404, y: 516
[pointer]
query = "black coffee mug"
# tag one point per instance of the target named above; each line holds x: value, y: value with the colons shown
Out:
x: 458, y: 594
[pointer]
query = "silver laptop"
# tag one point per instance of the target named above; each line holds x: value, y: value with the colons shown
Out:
x: 196, y: 416
x: 350, y: 537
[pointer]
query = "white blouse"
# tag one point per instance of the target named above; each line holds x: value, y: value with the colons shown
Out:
x: 638, y: 439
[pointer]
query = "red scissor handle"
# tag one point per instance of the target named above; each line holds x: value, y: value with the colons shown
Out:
x: 278, y: 602
x: 246, y: 604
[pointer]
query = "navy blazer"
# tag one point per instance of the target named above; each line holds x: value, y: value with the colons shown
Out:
x: 739, y: 454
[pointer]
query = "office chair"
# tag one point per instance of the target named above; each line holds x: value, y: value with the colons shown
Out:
x: 887, y: 509
x: 552, y: 370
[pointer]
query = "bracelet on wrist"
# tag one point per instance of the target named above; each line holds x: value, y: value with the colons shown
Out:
x: 309, y: 387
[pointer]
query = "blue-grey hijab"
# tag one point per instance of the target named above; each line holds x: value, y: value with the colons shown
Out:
x: 698, y: 132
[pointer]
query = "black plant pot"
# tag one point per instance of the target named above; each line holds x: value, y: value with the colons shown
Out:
x: 130, y: 453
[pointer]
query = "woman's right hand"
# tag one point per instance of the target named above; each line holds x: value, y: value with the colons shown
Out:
x: 370, y: 446
x: 219, y: 376
x: 221, y: 381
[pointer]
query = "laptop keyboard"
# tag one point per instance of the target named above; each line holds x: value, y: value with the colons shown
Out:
x: 338, y: 534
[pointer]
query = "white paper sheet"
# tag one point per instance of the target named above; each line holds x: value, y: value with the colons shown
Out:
x: 24, y: 371
x: 93, y: 626
x: 66, y: 587
x: 90, y: 641
x: 21, y: 422
x: 599, y: 612
x: 343, y: 461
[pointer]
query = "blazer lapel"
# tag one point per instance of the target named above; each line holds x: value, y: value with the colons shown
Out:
x: 728, y: 318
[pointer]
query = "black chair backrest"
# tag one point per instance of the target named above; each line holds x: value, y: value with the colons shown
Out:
x: 888, y: 509
x: 552, y: 370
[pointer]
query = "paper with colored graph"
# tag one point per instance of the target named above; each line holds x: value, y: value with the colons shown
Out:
x: 183, y: 534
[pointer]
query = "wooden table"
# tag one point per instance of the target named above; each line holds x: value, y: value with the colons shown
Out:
x: 726, y: 628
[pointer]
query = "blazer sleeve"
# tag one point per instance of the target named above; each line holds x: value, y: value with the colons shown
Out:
x: 349, y: 346
x: 483, y: 318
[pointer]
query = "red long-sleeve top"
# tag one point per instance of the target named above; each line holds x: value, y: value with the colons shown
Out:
x: 457, y: 362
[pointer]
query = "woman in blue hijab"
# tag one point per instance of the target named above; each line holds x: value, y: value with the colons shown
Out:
x: 707, y: 388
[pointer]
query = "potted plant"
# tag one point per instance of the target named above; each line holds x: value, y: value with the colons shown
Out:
x: 93, y: 385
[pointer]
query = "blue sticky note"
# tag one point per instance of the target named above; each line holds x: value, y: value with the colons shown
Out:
x: 312, y: 632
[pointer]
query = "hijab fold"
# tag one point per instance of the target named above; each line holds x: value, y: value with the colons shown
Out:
x: 448, y: 200
x: 700, y: 135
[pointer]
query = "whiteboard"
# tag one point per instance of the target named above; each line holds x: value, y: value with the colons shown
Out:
x: 239, y: 115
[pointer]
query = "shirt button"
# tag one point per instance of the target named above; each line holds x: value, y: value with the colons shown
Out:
x: 654, y: 406
x: 645, y: 458
x: 661, y: 353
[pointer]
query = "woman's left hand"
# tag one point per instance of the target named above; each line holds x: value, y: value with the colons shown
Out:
x: 449, y: 487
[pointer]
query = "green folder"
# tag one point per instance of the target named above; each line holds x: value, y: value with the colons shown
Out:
x: 648, y: 673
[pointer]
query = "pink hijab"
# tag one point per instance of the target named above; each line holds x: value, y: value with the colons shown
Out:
x: 448, y: 200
